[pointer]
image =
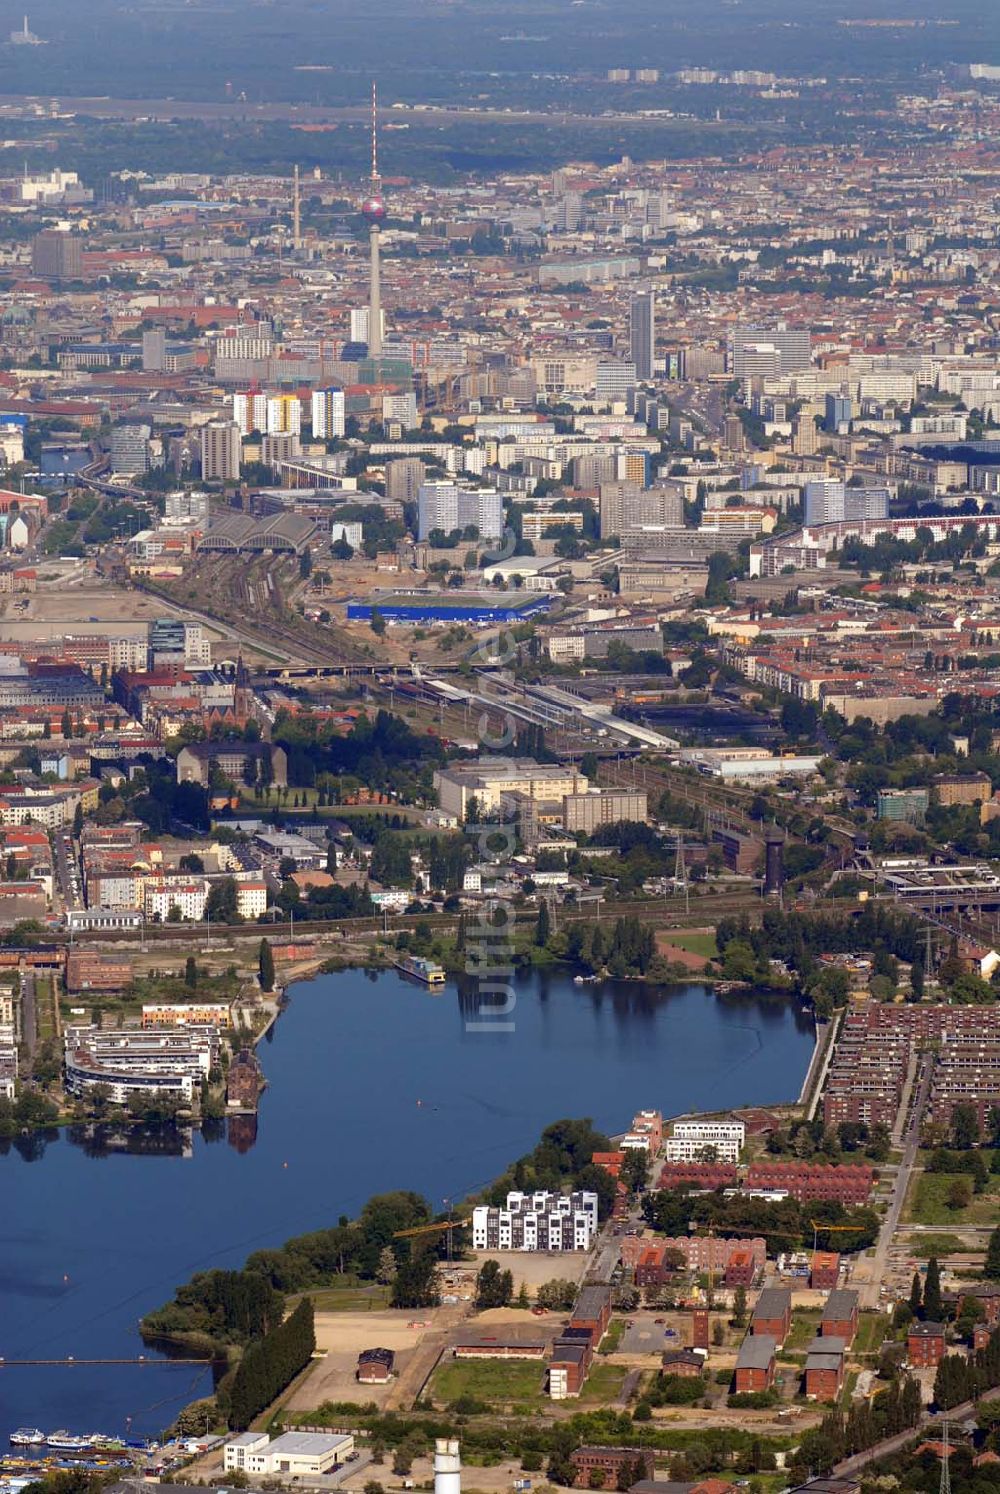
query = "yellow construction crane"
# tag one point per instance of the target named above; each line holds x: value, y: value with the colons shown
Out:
x: 430, y: 1229
x: 449, y: 1225
x: 843, y: 1229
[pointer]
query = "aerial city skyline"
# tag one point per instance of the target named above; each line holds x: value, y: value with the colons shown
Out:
x: 500, y: 747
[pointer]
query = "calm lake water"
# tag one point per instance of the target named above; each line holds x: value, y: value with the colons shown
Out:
x: 374, y: 1083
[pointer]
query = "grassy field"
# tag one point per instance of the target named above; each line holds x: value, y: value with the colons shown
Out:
x: 699, y: 944
x: 498, y: 1382
x: 613, y: 1337
x: 927, y: 1201
x: 872, y: 1327
x: 352, y: 1296
x: 604, y: 1383
x: 805, y: 1326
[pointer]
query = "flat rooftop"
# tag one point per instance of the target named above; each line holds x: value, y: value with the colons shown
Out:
x: 516, y: 601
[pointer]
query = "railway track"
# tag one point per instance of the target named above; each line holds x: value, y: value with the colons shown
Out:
x: 670, y: 911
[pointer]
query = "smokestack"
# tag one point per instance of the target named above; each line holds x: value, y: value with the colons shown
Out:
x: 447, y: 1467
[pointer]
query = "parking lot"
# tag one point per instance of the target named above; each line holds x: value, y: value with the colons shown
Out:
x: 652, y: 1333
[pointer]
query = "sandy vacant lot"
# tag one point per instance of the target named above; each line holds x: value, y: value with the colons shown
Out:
x: 342, y: 1335
x: 534, y: 1267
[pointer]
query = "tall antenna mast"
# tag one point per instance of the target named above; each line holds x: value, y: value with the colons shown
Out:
x: 296, y: 212
x: 375, y: 177
x: 373, y: 211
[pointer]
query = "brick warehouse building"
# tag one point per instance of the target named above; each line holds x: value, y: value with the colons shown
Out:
x: 609, y: 1462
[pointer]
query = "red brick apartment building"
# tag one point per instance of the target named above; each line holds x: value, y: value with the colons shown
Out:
x: 739, y: 1261
x: 741, y: 1269
x: 824, y: 1373
x: 925, y: 1344
x: 988, y: 1297
x: 840, y: 1316
x: 707, y: 1175
x: 806, y: 1182
x: 609, y: 1461
x: 755, y: 1363
x: 825, y: 1273
x: 772, y: 1314
x: 869, y: 1067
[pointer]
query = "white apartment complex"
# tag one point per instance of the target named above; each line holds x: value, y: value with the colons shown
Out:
x: 537, y: 1221
x: 691, y: 1139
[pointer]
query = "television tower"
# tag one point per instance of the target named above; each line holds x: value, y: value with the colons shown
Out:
x: 296, y: 212
x: 373, y: 212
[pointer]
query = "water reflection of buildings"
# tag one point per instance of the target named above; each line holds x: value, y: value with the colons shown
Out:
x: 242, y: 1131
x: 97, y: 1140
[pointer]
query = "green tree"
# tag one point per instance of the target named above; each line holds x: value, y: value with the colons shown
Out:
x: 959, y: 1194
x: 378, y: 623
x: 190, y: 973
x: 387, y: 1267
x: 991, y: 1265
x: 221, y: 905
x: 557, y: 1295
x: 932, y: 1291
x: 739, y: 1306
x: 543, y: 925
x: 78, y: 821
x: 416, y: 1282
x: 265, y: 966
x: 494, y: 1288
x: 916, y: 1295
x: 635, y: 1169
x: 965, y: 1126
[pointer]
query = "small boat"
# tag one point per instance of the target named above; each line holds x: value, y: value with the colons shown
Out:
x: 27, y: 1437
x: 65, y: 1441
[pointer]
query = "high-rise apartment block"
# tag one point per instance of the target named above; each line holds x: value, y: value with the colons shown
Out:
x: 768, y: 351
x: 403, y: 477
x: 829, y: 501
x: 613, y: 380
x: 328, y: 414
x: 445, y: 506
x: 625, y: 506
x: 154, y: 350
x: 57, y: 255
x: 129, y: 448
x: 642, y: 334
x: 221, y: 450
